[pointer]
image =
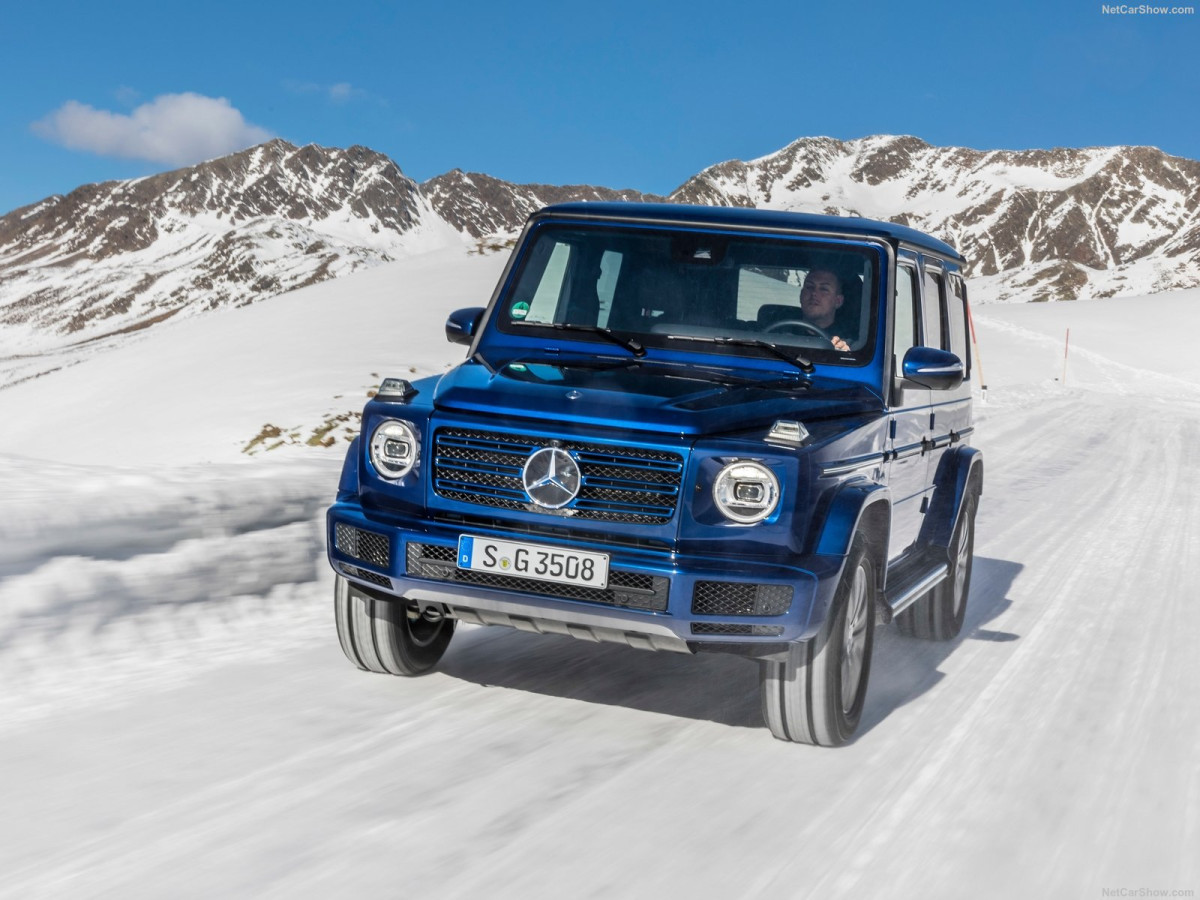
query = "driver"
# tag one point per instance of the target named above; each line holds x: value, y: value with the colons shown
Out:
x: 820, y: 299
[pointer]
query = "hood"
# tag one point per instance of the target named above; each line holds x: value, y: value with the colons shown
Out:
x: 647, y: 396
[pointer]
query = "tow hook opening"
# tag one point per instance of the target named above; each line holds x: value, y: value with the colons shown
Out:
x: 432, y: 613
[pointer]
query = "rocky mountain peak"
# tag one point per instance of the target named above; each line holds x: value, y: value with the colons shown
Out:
x: 1034, y: 224
x: 225, y: 231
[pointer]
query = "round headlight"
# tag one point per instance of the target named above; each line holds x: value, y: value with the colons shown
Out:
x: 394, y: 449
x: 746, y: 491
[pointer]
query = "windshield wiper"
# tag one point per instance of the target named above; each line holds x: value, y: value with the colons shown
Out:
x: 628, y: 343
x: 795, y: 359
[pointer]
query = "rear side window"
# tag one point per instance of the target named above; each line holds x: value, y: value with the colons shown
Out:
x: 934, y: 331
x: 956, y: 321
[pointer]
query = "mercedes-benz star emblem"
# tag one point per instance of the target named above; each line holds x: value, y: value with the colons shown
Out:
x: 551, y: 478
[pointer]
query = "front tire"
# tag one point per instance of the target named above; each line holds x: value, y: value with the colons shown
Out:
x: 816, y: 696
x: 938, y: 616
x: 382, y: 635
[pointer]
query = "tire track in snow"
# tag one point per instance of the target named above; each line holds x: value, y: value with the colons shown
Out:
x: 1021, y: 704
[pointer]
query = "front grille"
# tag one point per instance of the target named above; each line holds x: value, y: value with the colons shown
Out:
x: 629, y: 589
x: 718, y: 628
x: 738, y: 598
x: 635, y: 485
x: 365, y: 545
x: 363, y: 574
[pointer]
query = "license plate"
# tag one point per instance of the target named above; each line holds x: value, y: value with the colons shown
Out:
x: 533, y: 561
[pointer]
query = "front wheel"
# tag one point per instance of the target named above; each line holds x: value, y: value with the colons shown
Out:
x: 816, y: 696
x: 387, y: 636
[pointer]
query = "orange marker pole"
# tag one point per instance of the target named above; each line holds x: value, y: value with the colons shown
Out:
x: 978, y: 357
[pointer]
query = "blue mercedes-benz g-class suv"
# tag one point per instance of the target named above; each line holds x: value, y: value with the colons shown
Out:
x: 680, y: 428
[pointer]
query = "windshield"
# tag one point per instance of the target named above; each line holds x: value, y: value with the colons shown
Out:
x: 683, y: 289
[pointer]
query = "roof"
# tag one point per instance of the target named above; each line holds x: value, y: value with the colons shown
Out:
x: 742, y: 217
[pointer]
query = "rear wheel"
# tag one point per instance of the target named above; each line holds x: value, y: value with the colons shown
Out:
x: 938, y: 616
x: 816, y: 696
x: 387, y: 636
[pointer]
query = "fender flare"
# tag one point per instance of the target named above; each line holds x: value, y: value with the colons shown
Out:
x: 853, y: 503
x: 964, y: 474
x: 348, y: 483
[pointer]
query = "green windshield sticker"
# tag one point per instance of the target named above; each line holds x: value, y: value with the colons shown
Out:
x: 519, y: 310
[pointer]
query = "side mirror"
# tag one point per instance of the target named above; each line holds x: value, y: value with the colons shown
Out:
x: 462, y: 325
x: 928, y: 367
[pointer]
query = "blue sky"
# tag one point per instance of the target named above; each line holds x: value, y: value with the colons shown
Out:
x: 623, y: 94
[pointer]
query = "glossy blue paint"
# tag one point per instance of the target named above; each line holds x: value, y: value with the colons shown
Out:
x: 672, y: 396
x: 348, y: 483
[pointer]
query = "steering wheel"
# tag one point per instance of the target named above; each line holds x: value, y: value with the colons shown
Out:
x: 799, y: 323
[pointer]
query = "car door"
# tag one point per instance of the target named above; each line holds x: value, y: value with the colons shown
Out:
x: 935, y: 333
x: 908, y: 426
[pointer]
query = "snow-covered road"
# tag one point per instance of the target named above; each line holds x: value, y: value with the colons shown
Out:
x: 178, y: 720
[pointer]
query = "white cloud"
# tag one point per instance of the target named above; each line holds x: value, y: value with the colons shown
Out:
x: 177, y: 129
x: 342, y: 92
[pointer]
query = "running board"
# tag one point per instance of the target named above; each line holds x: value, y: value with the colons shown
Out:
x: 909, y: 582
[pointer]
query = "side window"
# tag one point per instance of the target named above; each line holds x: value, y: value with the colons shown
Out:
x: 956, y: 321
x: 934, y: 330
x: 905, y: 323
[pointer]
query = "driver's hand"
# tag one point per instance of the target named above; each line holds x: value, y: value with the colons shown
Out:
x: 839, y: 344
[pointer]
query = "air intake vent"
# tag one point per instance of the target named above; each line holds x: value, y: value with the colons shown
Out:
x: 365, y: 545
x: 619, y: 484
x: 364, y: 575
x: 751, y: 630
x: 737, y: 598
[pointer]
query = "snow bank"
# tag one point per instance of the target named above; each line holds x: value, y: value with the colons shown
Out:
x: 200, y: 389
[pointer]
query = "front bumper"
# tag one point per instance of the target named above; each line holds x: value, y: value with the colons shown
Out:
x: 655, y: 599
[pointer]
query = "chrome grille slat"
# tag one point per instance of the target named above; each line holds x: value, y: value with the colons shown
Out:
x: 618, y: 484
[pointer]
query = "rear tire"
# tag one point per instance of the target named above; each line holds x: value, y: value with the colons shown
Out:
x: 383, y: 636
x: 938, y: 616
x: 816, y: 696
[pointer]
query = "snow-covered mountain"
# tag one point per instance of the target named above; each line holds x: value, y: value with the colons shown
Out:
x: 1035, y: 224
x: 119, y: 256
x: 270, y: 219
x: 491, y: 210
